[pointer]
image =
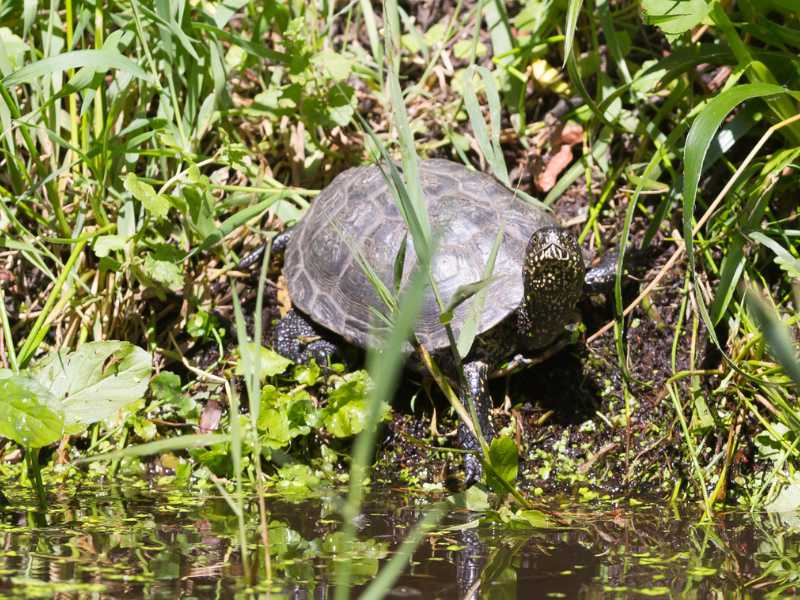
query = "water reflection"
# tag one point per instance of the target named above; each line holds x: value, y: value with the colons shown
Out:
x: 141, y: 543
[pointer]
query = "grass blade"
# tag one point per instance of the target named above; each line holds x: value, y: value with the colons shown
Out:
x: 776, y: 334
x: 469, y: 329
x: 384, y: 365
x: 181, y: 442
x: 573, y: 12
x: 489, y: 143
x: 381, y: 585
x: 698, y: 142
x: 100, y: 60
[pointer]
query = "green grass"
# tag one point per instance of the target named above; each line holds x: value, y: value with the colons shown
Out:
x: 146, y: 147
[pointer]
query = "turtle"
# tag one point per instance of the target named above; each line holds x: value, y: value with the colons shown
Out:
x: 538, y: 278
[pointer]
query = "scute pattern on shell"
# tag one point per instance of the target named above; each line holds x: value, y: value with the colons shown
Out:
x: 466, y: 210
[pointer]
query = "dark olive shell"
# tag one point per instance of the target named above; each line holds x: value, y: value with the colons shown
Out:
x: 356, y: 212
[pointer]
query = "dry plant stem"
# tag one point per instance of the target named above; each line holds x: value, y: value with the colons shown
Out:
x: 41, y: 324
x: 203, y: 375
x: 681, y: 247
x: 446, y: 388
x: 647, y: 290
x: 721, y: 489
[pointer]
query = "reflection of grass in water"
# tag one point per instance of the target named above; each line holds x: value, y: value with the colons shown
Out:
x: 171, y: 538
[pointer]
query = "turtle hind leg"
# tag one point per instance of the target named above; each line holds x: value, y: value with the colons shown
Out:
x: 296, y: 338
x: 277, y: 250
x: 476, y: 374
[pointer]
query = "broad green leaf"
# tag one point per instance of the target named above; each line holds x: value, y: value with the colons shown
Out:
x: 771, y: 443
x: 296, y: 480
x: 144, y: 428
x: 475, y: 498
x: 307, y: 374
x: 105, y: 244
x: 648, y: 76
x: 283, y: 416
x: 12, y: 49
x: 348, y: 405
x: 222, y: 12
x: 462, y: 49
x: 341, y: 104
x: 504, y: 459
x: 674, y: 17
x: 270, y: 363
x: 534, y: 518
x: 276, y: 427
x: 166, y: 387
x: 156, y: 204
x: 100, y: 60
x: 95, y: 381
x: 28, y: 414
x: 200, y: 211
x: 334, y: 64
x: 436, y: 34
x: 788, y: 499
x: 164, y: 272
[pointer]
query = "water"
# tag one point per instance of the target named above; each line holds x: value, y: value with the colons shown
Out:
x: 135, y: 543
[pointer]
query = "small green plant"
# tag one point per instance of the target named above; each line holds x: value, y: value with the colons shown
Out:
x: 64, y: 393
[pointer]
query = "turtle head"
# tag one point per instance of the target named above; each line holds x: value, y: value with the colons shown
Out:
x: 553, y: 276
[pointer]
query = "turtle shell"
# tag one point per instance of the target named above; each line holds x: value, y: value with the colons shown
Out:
x: 357, y: 213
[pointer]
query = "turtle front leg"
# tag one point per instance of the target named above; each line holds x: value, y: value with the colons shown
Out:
x: 600, y: 278
x: 296, y: 338
x: 476, y: 374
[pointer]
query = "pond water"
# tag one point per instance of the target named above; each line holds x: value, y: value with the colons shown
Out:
x: 140, y: 543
